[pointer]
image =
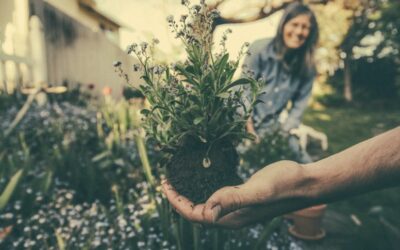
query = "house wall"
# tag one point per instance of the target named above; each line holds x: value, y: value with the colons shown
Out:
x: 6, y: 17
x: 14, y: 27
x: 14, y: 46
x: 76, y: 54
x: 72, y: 9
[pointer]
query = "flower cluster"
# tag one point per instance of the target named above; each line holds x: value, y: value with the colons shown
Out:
x: 196, y: 26
x: 197, y: 98
x: 82, y: 187
x: 83, y: 225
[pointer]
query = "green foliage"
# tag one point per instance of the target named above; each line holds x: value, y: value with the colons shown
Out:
x: 127, y: 217
x: 9, y: 190
x: 51, y: 207
x: 333, y: 23
x: 358, y: 123
x: 372, y: 18
x: 86, y: 150
x: 389, y: 23
x: 273, y: 147
x: 197, y: 98
x: 373, y: 81
x: 362, y: 35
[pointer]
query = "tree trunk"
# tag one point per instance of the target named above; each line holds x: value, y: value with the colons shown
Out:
x: 348, y: 95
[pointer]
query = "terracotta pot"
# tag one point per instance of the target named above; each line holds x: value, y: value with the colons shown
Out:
x: 308, y: 223
x: 4, y: 232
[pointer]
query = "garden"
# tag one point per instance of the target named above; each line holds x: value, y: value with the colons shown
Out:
x: 82, y: 170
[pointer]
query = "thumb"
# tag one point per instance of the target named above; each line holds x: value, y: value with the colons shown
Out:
x: 224, y: 201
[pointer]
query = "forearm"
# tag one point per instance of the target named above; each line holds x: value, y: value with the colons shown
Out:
x: 367, y: 166
x: 287, y: 186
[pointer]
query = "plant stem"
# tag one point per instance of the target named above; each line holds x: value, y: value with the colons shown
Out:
x: 9, y: 190
x: 215, y: 239
x: 145, y: 160
x: 175, y: 230
x: 21, y: 113
x: 196, y: 237
x: 268, y: 230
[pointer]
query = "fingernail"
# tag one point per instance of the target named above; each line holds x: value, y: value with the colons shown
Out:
x: 215, y: 212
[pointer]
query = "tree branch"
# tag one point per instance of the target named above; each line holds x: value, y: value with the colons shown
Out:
x: 265, y: 11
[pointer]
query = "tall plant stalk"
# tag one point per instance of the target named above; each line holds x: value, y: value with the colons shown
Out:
x: 9, y: 190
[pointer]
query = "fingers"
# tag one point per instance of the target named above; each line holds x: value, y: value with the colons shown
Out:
x: 222, y: 202
x: 242, y: 217
x: 182, y: 205
x: 224, y: 208
x: 236, y: 219
x: 178, y: 201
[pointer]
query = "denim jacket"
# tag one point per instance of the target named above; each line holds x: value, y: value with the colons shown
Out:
x: 280, y: 87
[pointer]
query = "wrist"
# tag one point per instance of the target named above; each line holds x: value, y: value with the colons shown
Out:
x: 291, y: 186
x: 290, y: 181
x: 311, y: 186
x: 302, y: 185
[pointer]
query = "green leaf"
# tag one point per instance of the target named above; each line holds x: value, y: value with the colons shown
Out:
x: 48, y: 180
x: 224, y: 95
x: 221, y: 64
x: 202, y: 139
x: 258, y: 101
x: 160, y: 108
x: 228, y: 73
x: 198, y: 120
x: 60, y: 241
x: 269, y: 228
x: 190, y: 69
x: 100, y: 156
x: 147, y: 79
x: 9, y: 190
x: 195, y: 99
x: 241, y: 81
x: 189, y: 76
x: 145, y: 111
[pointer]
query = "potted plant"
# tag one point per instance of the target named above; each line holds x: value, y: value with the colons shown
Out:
x: 198, y: 112
x: 307, y: 223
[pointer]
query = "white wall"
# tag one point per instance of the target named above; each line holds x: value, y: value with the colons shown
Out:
x: 6, y: 17
x: 88, y: 59
x: 71, y: 8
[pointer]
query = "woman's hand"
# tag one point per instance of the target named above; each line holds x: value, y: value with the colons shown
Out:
x: 250, y: 129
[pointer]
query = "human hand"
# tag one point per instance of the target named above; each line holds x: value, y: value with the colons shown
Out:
x: 264, y: 196
x: 250, y: 129
x: 199, y: 214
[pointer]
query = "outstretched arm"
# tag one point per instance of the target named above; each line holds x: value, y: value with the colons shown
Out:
x: 286, y: 186
x: 367, y: 166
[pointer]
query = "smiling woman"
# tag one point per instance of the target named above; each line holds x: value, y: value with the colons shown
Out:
x: 286, y: 65
x: 296, y: 31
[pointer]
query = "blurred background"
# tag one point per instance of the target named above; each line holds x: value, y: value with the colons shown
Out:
x: 75, y: 171
x: 70, y: 42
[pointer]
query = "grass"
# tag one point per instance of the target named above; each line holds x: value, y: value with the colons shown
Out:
x: 351, y: 124
x: 345, y: 126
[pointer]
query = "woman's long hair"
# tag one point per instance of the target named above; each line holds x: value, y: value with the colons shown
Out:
x: 302, y: 62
